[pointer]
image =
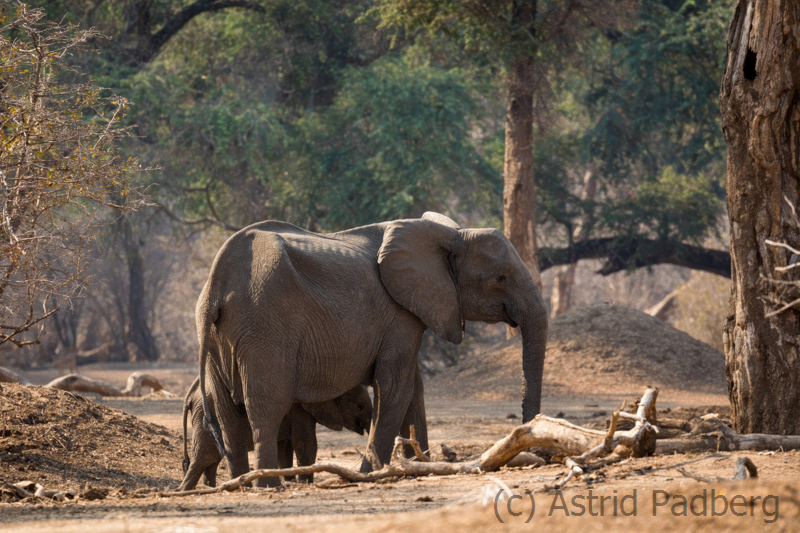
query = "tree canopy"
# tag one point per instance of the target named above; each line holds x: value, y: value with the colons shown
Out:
x: 331, y: 115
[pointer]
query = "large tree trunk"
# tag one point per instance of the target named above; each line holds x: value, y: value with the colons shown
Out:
x: 519, y: 203
x: 761, y: 121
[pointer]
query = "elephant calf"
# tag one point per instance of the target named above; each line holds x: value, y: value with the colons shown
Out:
x: 297, y: 434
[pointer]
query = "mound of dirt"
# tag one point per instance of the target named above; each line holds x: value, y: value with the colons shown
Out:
x: 62, y: 440
x: 601, y: 349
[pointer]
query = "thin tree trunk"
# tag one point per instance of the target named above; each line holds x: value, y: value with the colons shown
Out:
x: 760, y: 106
x: 561, y: 299
x: 519, y: 202
x: 563, y: 284
x: 138, y: 329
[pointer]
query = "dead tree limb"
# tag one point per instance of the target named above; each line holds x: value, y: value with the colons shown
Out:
x: 743, y: 469
x: 78, y: 383
x: 137, y: 380
x: 398, y: 467
x: 726, y: 439
x: 573, y: 440
x: 9, y: 376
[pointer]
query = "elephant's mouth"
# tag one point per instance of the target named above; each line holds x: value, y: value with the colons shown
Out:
x: 507, y: 318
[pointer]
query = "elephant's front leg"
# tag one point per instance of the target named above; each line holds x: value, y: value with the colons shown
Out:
x: 415, y: 416
x: 393, y: 389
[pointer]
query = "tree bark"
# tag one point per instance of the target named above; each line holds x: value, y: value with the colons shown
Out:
x: 760, y: 108
x: 519, y: 203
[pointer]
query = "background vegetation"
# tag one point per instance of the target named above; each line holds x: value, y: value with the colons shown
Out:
x: 333, y: 114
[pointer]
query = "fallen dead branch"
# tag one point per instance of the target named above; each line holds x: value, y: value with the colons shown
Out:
x: 726, y: 439
x: 398, y: 467
x: 136, y: 381
x: 76, y: 383
x: 9, y: 376
x: 35, y: 492
x: 743, y: 469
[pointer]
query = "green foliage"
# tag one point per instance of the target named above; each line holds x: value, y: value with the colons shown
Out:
x: 303, y: 113
x: 395, y: 142
x: 673, y: 207
x: 639, y: 107
x: 655, y: 104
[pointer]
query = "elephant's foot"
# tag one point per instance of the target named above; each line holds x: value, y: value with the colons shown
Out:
x: 366, y: 466
x: 267, y: 458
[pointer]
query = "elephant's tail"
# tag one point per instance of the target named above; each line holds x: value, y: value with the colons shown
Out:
x: 187, y: 405
x: 210, y: 422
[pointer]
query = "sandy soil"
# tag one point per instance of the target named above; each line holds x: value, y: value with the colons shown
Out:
x: 465, y: 502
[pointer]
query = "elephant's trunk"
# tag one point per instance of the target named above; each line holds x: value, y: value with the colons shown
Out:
x: 532, y: 320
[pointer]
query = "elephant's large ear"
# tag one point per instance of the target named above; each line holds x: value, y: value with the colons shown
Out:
x: 326, y: 413
x: 416, y: 268
x: 441, y: 219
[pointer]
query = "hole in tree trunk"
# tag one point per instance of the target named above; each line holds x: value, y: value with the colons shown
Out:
x: 749, y: 68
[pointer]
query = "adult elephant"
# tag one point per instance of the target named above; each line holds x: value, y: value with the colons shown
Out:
x: 292, y: 316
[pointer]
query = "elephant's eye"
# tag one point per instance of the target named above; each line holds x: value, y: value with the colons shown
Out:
x: 501, y: 278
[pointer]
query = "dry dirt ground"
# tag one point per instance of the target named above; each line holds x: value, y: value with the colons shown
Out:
x: 133, y: 449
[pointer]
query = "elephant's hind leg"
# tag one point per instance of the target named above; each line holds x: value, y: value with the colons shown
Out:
x: 210, y: 475
x: 192, y: 476
x: 304, y: 439
x: 393, y: 393
x: 285, y: 450
x: 265, y: 413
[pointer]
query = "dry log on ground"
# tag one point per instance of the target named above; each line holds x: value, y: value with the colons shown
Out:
x: 9, y: 376
x: 398, y: 467
x: 674, y: 423
x: 35, y: 491
x: 78, y: 383
x: 525, y: 459
x: 137, y: 380
x: 726, y: 439
x: 573, y: 440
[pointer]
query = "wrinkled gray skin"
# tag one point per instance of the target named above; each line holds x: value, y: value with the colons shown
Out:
x: 292, y: 316
x: 297, y: 434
